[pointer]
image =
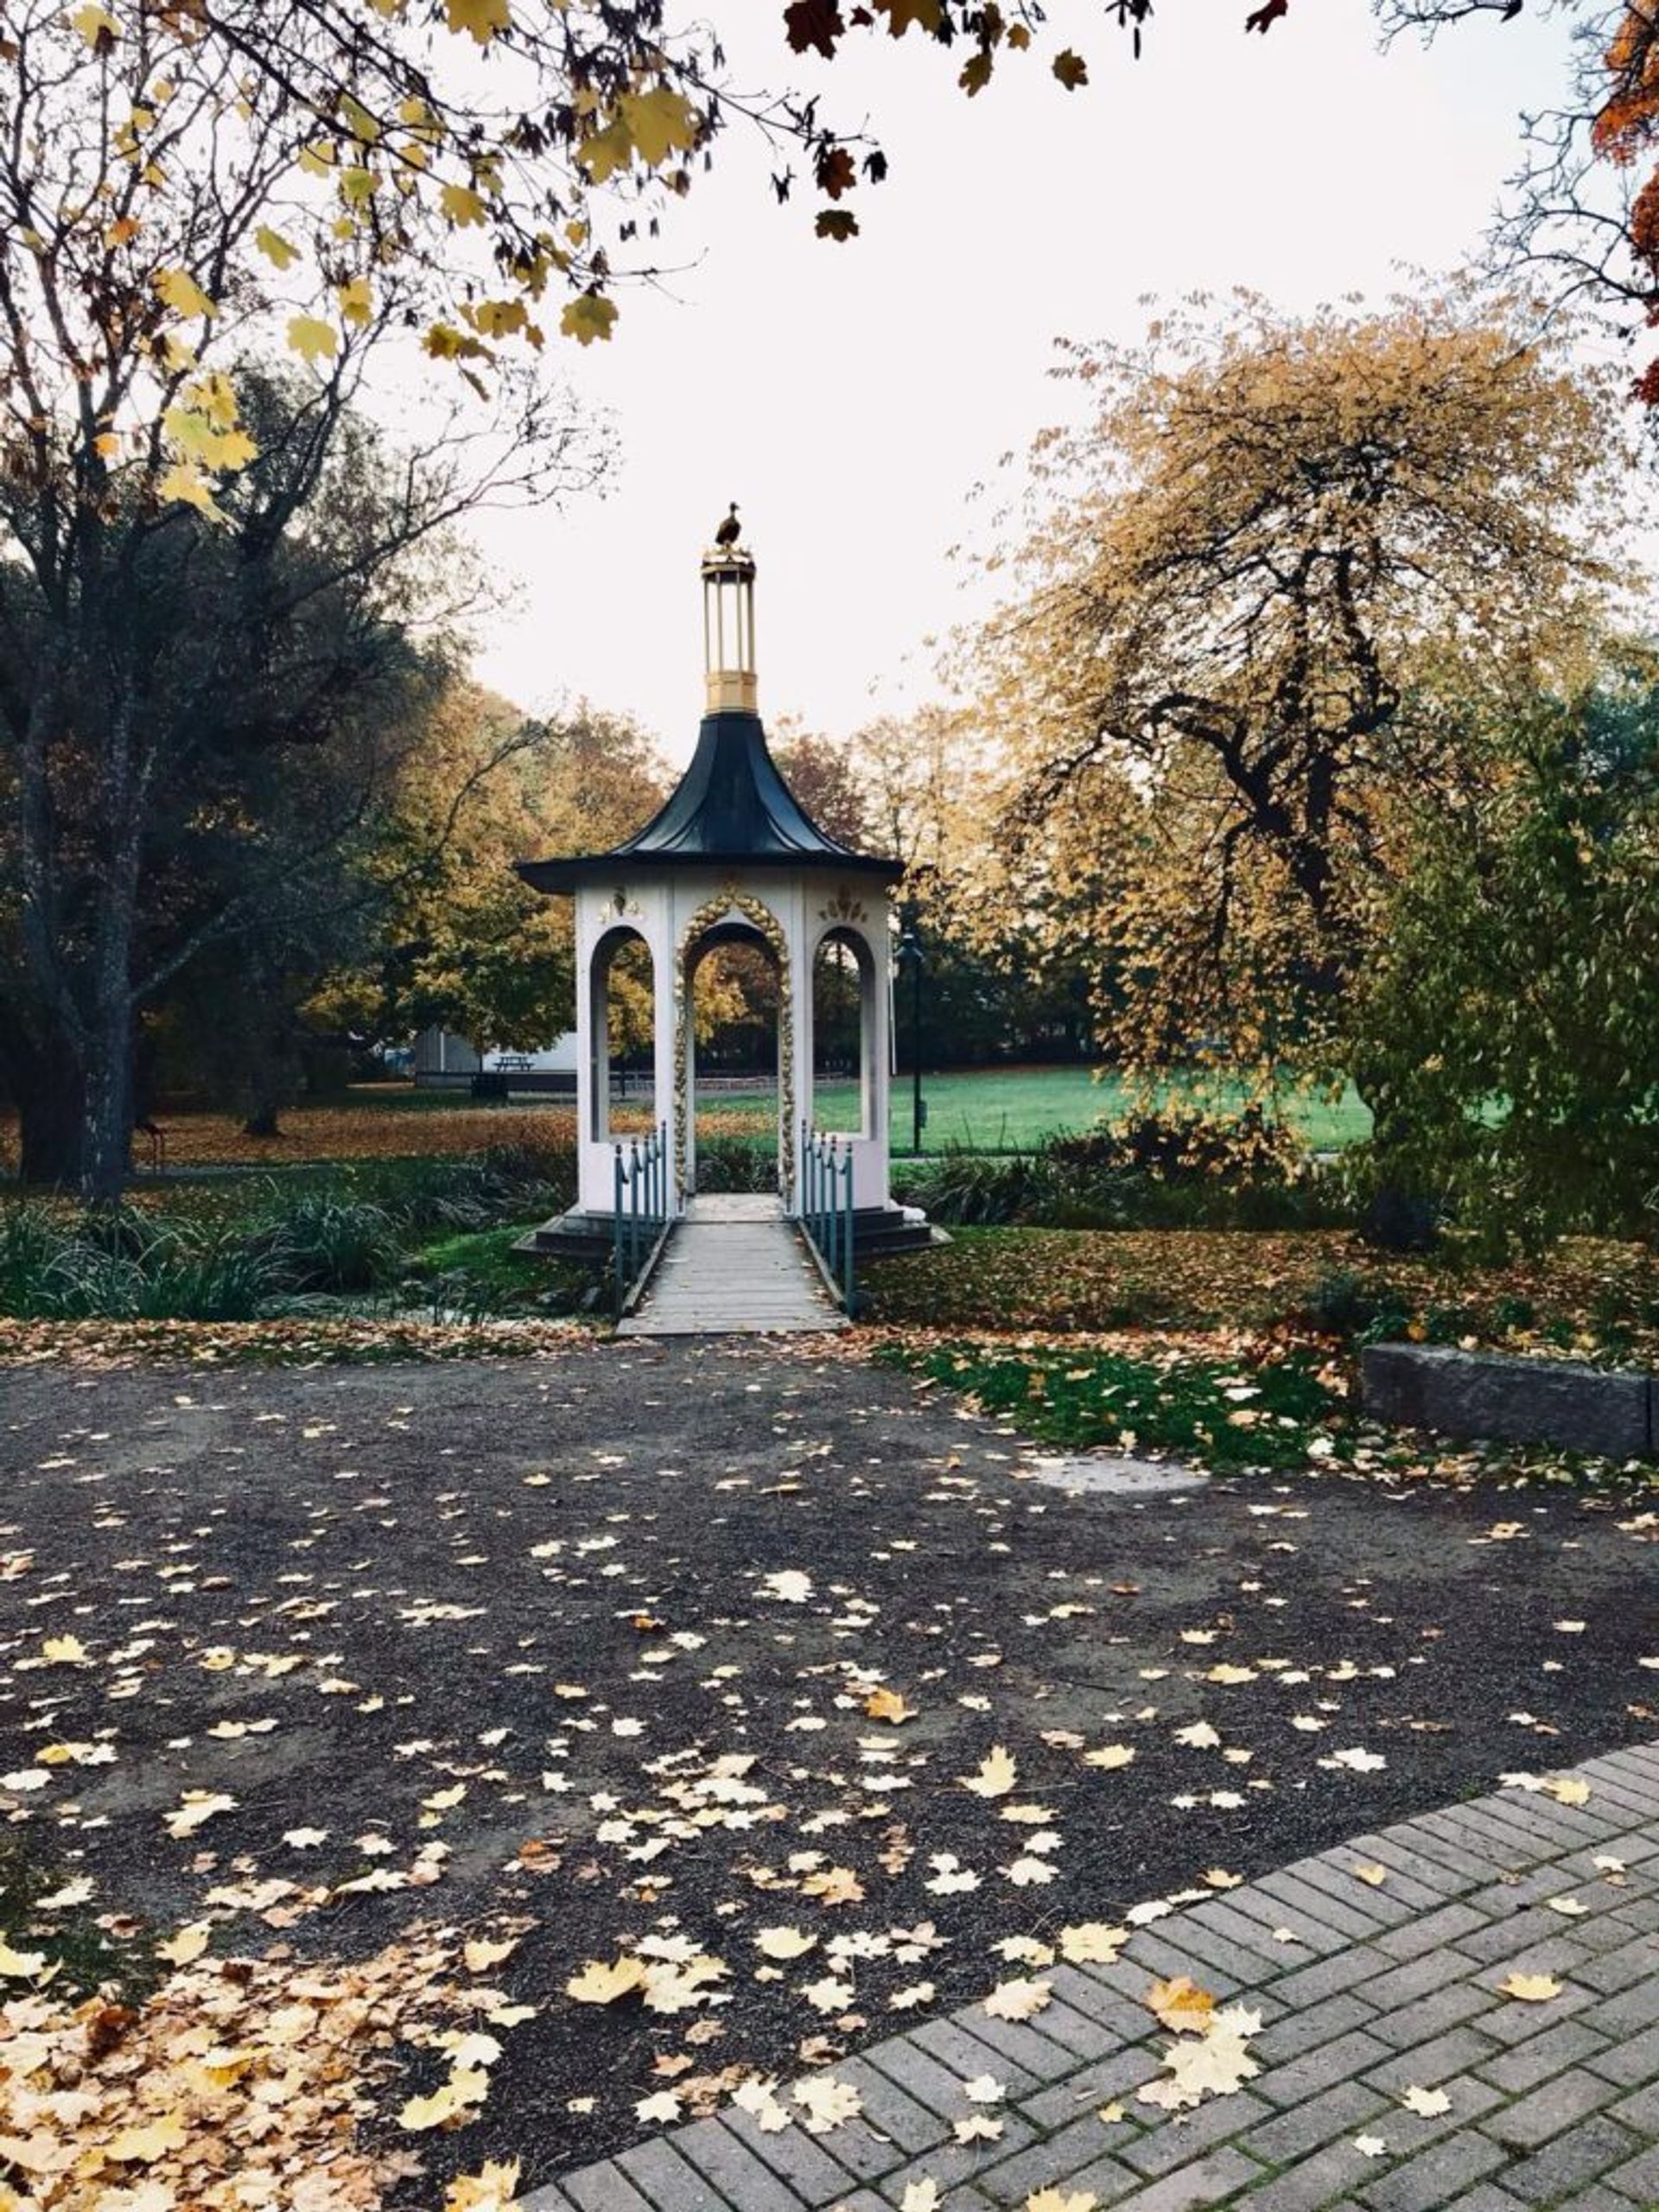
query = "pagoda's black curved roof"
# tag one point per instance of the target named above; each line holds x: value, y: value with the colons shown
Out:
x: 731, y: 806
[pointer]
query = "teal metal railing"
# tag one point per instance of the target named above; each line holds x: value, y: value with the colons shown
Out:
x: 827, y: 1209
x: 640, y: 1217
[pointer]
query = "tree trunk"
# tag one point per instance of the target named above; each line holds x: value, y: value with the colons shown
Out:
x: 1398, y: 1215
x: 267, y: 1073
x: 106, y: 1158
x: 47, y: 1087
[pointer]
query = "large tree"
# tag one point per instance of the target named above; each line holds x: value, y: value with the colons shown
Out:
x: 198, y: 720
x: 179, y: 192
x: 459, y: 941
x: 1269, y: 547
x: 1507, y: 1008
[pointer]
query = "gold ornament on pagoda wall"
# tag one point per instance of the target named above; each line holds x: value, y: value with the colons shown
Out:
x: 843, y: 907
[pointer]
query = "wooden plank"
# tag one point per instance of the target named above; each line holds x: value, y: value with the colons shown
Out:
x: 733, y: 1266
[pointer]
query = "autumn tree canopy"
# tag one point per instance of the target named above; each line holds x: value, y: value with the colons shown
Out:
x: 1272, y: 554
x: 459, y: 941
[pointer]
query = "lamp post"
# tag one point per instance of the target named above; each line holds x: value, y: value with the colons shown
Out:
x: 909, y: 954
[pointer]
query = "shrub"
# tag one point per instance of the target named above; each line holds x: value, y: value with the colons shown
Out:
x: 1177, y: 1171
x: 735, y: 1163
x: 125, y: 1265
x: 978, y: 1190
x: 320, y: 1241
x: 267, y: 1246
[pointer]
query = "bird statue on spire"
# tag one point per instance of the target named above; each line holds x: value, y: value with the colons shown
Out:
x: 730, y: 532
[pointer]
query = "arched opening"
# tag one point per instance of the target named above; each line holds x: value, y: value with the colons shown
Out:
x: 843, y: 1033
x: 623, y: 1070
x: 734, y: 1053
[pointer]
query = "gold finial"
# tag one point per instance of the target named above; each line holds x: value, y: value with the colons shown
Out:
x: 728, y: 622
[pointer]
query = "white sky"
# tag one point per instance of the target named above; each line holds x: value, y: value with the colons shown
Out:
x: 851, y: 396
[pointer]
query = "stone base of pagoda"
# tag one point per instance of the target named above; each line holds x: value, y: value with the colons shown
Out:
x: 585, y: 1236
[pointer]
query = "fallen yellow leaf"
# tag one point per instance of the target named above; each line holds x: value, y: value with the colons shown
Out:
x: 994, y: 1777
x: 887, y: 1704
x: 139, y: 2146
x: 1181, y: 2004
x: 480, y: 1953
x: 1531, y: 1989
x: 188, y: 1945
x: 1018, y: 2000
x: 598, y: 1984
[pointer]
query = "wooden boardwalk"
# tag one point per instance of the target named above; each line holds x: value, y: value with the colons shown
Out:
x: 734, y: 1266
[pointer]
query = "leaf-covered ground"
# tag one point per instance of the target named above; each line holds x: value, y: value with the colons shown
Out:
x: 1585, y: 1298
x: 761, y: 1695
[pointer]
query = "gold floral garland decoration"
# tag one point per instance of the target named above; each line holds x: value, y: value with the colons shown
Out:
x: 761, y: 918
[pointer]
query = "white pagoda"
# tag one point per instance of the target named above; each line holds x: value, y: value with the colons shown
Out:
x: 731, y: 857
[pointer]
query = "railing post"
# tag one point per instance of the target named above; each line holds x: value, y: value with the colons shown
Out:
x: 633, y: 1208
x: 619, y: 1284
x: 833, y: 1210
x: 847, y: 1273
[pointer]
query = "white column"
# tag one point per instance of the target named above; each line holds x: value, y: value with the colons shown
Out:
x: 791, y: 904
x: 873, y: 1172
x: 593, y: 1174
x: 660, y: 929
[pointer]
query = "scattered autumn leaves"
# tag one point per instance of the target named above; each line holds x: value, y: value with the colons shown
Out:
x: 681, y: 1893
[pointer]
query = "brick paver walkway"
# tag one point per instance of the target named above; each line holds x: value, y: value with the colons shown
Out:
x: 1389, y: 1986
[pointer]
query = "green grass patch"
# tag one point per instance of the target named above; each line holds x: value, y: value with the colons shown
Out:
x: 117, y: 1957
x: 478, y: 1272
x: 1010, y: 1109
x: 1228, y: 1416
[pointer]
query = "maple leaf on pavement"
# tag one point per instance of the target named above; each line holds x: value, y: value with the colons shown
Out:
x: 1018, y: 1999
x: 1531, y: 1989
x: 827, y: 2102
x: 1093, y: 1944
x: 994, y: 1777
x: 598, y: 1984
x: 1181, y: 2004
x: 493, y: 2188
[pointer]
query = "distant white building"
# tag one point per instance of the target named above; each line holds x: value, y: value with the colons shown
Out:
x: 441, y: 1059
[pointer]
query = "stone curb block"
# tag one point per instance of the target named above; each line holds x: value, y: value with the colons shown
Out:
x: 1613, y: 1413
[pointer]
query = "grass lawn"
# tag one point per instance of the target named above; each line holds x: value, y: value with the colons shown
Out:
x: 1008, y: 1109
x: 992, y: 1109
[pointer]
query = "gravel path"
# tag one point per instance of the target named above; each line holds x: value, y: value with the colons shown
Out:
x: 624, y: 1613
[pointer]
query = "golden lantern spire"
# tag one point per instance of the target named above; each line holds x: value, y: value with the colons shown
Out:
x: 728, y: 623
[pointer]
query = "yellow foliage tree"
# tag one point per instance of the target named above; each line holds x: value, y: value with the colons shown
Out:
x: 461, y: 941
x: 1268, y: 564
